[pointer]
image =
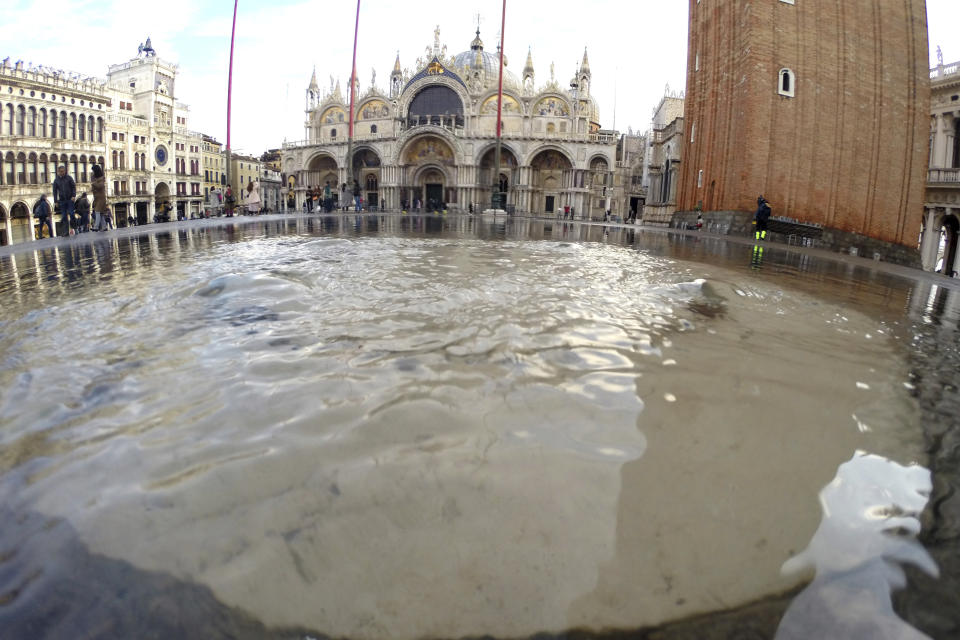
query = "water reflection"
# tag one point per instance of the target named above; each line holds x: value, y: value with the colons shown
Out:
x: 871, y: 515
x: 479, y: 428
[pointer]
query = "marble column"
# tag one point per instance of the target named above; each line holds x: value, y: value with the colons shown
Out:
x: 930, y: 241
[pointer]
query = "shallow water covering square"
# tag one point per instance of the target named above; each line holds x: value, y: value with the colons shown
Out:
x: 432, y: 430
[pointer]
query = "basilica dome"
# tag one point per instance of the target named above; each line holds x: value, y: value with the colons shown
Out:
x: 491, y: 63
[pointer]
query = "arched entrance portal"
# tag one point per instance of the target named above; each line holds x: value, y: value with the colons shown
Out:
x: 947, y: 254
x: 21, y: 229
x: 548, y: 181
x: 507, y: 176
x: 428, y: 163
x: 321, y: 170
x: 4, y: 227
x: 161, y: 200
x: 366, y: 170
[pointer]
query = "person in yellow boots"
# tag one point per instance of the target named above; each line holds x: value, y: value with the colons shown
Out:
x: 761, y: 217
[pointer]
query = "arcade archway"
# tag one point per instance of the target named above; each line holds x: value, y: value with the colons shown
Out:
x: 21, y: 224
x: 549, y: 177
x: 505, y: 179
x: 429, y: 169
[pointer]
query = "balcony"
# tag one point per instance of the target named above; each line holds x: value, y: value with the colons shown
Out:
x: 944, y: 176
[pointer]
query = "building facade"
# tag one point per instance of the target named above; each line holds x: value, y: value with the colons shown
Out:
x: 430, y: 138
x: 214, y: 165
x: 665, y: 149
x: 152, y: 130
x: 941, y: 220
x: 814, y: 105
x: 50, y: 118
x: 130, y: 124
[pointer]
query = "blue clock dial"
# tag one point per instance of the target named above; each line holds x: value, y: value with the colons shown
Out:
x: 161, y: 155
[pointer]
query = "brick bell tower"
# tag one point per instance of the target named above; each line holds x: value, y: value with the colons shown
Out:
x: 822, y: 106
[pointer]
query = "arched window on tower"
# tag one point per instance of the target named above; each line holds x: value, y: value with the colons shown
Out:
x: 21, y: 116
x: 787, y: 83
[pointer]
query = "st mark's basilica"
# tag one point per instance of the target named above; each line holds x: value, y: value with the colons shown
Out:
x: 431, y: 138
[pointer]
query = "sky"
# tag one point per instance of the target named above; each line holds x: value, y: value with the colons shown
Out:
x: 636, y: 49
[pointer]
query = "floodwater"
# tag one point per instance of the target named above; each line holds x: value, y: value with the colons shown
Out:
x: 403, y: 427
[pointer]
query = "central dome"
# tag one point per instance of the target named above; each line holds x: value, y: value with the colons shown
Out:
x: 491, y: 63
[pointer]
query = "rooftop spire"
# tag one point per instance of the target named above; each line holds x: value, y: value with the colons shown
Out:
x: 529, y: 66
x: 585, y: 65
x: 396, y: 65
x: 477, y: 43
x: 313, y: 80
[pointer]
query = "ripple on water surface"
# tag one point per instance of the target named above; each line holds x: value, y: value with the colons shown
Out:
x: 405, y: 437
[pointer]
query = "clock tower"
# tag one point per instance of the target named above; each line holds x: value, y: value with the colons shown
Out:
x: 163, y: 157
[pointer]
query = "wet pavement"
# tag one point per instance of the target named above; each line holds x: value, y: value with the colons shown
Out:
x: 126, y: 600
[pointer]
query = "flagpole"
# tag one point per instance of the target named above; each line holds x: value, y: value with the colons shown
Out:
x: 497, y: 204
x: 353, y: 81
x: 233, y: 33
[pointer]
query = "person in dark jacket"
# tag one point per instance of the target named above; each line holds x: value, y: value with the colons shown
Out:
x: 82, y: 206
x: 761, y: 217
x: 42, y: 211
x: 64, y: 192
x: 101, y: 219
x: 356, y: 196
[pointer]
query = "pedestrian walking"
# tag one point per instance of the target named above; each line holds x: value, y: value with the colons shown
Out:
x: 101, y: 213
x: 42, y: 212
x: 64, y: 192
x: 82, y: 207
x: 327, y: 198
x: 761, y: 217
x: 253, y: 198
x: 356, y: 197
x: 230, y: 202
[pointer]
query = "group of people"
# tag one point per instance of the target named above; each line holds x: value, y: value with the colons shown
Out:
x: 75, y: 212
x: 322, y: 200
x: 227, y: 202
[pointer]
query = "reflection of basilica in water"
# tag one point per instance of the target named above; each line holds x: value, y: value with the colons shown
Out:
x: 432, y: 138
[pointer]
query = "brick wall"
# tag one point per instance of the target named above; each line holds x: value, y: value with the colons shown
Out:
x: 849, y: 151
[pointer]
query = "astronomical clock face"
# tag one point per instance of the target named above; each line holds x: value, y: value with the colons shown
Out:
x: 161, y: 155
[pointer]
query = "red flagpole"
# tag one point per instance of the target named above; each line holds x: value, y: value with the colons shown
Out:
x: 353, y: 80
x: 503, y: 23
x: 497, y: 204
x: 233, y: 33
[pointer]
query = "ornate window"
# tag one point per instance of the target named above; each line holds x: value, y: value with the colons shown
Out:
x: 21, y: 168
x: 435, y: 105
x: 32, y: 121
x: 73, y: 126
x: 63, y: 125
x: 83, y: 126
x: 787, y: 83
x: 21, y: 115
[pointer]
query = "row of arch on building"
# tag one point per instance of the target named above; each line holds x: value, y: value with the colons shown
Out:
x: 33, y: 168
x: 19, y: 120
x: 427, y: 168
x: 431, y: 100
